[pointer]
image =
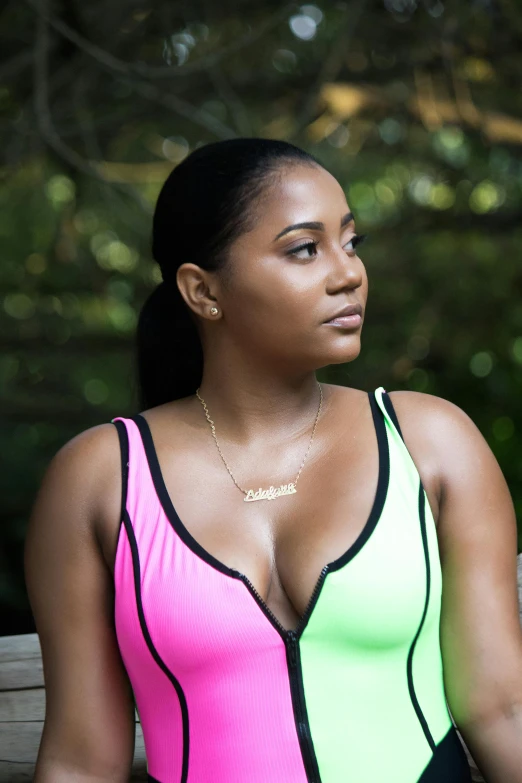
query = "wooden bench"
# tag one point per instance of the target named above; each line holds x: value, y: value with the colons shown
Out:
x: 22, y: 709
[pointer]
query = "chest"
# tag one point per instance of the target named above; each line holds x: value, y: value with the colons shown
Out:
x: 281, y: 545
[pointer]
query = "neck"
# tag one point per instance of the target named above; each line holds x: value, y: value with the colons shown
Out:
x: 251, y: 404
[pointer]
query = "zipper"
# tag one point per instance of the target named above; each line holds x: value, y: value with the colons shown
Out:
x: 301, y: 718
x: 291, y: 640
x: 264, y: 606
x: 260, y: 601
x: 311, y: 602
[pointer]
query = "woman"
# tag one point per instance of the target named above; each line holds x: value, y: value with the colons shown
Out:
x: 296, y: 638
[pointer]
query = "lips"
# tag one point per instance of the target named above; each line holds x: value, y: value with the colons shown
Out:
x: 353, y: 309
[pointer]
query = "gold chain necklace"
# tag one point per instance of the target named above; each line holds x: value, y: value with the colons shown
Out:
x: 272, y: 492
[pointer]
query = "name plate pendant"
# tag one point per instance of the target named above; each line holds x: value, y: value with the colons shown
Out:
x: 271, y: 493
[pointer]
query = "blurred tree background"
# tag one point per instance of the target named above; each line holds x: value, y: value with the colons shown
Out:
x: 415, y: 106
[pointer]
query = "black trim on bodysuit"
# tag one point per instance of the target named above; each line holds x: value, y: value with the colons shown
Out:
x: 409, y: 665
x: 166, y: 502
x: 124, y: 450
x: 391, y: 411
x: 381, y: 492
x: 448, y: 762
x: 152, y: 649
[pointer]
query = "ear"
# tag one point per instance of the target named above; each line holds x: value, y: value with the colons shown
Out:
x: 196, y: 286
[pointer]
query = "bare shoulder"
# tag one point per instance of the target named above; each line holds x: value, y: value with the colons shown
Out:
x: 444, y: 437
x: 88, y: 456
x: 177, y: 427
x: 83, y: 475
x: 434, y: 420
x: 415, y: 404
x: 439, y: 435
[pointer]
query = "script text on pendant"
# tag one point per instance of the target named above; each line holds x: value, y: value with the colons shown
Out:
x: 271, y: 493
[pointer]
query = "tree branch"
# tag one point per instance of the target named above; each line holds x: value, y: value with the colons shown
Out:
x: 127, y: 73
x: 201, y: 65
x: 44, y: 118
x: 93, y: 150
x: 332, y: 64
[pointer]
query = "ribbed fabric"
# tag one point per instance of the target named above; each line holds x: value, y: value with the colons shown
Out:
x: 226, y: 695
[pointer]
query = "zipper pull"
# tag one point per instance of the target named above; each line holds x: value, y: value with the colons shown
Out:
x: 292, y: 643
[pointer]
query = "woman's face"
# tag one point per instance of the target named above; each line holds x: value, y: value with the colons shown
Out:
x: 287, y: 280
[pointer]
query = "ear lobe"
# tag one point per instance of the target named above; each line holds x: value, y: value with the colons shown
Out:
x: 193, y: 284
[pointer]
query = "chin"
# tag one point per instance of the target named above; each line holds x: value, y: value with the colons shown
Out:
x: 342, y: 354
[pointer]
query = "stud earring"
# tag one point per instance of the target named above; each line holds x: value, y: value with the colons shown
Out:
x: 214, y: 311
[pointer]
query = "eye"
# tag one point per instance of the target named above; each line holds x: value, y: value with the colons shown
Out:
x: 302, y: 248
x: 356, y: 240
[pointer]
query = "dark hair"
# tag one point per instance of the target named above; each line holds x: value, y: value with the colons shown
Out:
x: 205, y: 204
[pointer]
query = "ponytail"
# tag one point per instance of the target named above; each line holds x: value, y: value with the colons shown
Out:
x: 168, y: 348
x: 205, y: 204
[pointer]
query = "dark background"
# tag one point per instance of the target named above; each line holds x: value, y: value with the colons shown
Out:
x: 415, y: 106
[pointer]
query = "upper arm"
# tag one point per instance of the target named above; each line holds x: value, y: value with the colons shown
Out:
x: 481, y: 638
x: 89, y: 720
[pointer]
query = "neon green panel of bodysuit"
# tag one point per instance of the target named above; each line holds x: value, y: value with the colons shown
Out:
x: 361, y: 634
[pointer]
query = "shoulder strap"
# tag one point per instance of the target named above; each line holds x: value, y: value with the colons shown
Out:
x: 139, y: 495
x: 402, y: 462
x: 123, y: 436
x: 391, y: 411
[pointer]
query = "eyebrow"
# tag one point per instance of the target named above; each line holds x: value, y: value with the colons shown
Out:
x: 314, y: 225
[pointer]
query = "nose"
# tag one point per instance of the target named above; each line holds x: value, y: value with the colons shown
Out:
x: 346, y: 269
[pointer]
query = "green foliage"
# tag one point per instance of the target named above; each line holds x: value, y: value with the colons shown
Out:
x: 414, y: 106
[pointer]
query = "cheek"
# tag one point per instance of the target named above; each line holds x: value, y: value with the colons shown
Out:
x: 289, y: 297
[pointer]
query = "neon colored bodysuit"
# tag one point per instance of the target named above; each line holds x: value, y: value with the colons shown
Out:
x: 226, y: 695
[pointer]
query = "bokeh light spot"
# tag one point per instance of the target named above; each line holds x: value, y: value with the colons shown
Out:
x: 303, y: 26
x: 154, y: 274
x: 117, y: 255
x: 362, y: 195
x: 121, y: 315
x: 95, y: 391
x: 60, y: 190
x: 418, y: 347
x: 385, y: 193
x: 284, y: 60
x: 175, y: 148
x: 486, y: 196
x: 516, y: 349
x: 481, y: 364
x: 441, y: 196
x: 417, y: 379
x: 420, y: 188
x: 19, y: 306
x: 35, y: 264
x: 339, y: 136
x: 390, y: 130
